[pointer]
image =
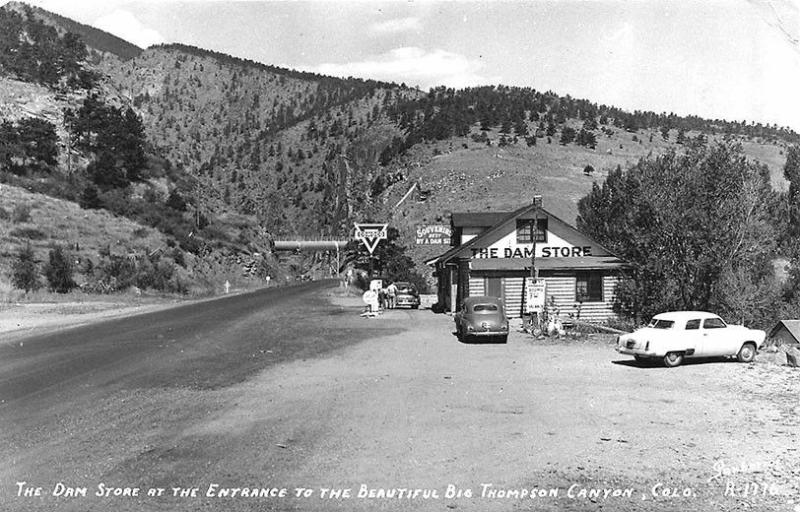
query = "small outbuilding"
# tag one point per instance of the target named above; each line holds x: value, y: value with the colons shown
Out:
x: 785, y: 332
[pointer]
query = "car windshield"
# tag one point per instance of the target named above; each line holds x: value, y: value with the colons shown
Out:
x: 661, y: 324
x: 484, y: 308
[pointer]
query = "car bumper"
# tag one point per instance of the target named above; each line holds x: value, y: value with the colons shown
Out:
x: 635, y: 352
x: 480, y: 334
x: 407, y: 302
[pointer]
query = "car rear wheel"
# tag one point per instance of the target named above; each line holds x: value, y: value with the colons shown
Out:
x: 747, y: 353
x: 673, y: 359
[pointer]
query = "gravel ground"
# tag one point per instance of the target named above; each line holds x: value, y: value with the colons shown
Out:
x: 411, y: 411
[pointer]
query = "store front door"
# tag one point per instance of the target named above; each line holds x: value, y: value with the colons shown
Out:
x: 494, y: 287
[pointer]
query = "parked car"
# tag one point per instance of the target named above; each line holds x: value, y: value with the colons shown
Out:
x: 482, y: 317
x: 406, y: 295
x: 678, y: 335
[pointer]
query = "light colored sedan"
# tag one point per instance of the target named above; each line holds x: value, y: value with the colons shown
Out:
x: 675, y: 336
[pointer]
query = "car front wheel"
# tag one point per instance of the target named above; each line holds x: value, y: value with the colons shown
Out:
x: 673, y: 359
x: 747, y: 353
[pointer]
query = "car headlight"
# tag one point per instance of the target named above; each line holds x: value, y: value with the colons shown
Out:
x: 504, y: 327
x: 470, y: 328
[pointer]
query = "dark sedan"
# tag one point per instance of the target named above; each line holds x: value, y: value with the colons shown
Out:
x: 482, y: 317
x: 406, y: 295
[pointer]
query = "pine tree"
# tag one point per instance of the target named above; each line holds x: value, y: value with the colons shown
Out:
x: 24, y: 271
x: 567, y: 135
x: 59, y: 271
x: 89, y: 199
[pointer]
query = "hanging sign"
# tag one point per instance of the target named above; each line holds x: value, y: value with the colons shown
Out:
x: 370, y: 234
x: 535, y: 299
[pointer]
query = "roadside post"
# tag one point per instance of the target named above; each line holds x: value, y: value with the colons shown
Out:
x: 536, y: 292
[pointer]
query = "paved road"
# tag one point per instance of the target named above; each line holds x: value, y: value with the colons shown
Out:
x: 204, y: 344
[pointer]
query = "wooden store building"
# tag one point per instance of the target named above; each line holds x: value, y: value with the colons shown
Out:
x: 492, y: 255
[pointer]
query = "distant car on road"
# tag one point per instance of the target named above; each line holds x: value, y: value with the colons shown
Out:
x: 482, y: 317
x: 675, y: 336
x: 406, y: 295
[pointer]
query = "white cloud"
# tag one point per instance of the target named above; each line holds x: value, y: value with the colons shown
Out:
x: 414, y: 66
x: 123, y: 24
x: 396, y: 25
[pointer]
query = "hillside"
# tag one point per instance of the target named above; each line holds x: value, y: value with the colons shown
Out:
x: 223, y: 155
x: 96, y: 40
x: 265, y: 141
x: 42, y: 221
x: 482, y: 178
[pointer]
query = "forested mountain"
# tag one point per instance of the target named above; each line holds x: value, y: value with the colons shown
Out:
x: 223, y: 154
x: 96, y: 40
x: 261, y: 140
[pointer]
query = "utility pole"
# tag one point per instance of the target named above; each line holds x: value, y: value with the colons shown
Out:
x: 537, y: 203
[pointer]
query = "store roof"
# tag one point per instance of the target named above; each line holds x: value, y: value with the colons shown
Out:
x: 504, y: 222
x: 584, y: 263
x: 457, y: 249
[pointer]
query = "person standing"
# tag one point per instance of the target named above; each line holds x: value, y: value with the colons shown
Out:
x: 391, y: 293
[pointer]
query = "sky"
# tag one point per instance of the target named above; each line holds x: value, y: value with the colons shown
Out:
x: 737, y: 60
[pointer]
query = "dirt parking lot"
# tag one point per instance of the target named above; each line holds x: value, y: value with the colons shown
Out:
x: 412, y: 419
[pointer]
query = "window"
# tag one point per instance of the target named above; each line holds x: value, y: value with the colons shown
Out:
x: 525, y: 231
x: 484, y: 307
x: 661, y: 324
x: 693, y: 324
x: 713, y: 323
x: 589, y: 287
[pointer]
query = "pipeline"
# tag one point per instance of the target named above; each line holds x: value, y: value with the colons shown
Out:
x: 309, y: 245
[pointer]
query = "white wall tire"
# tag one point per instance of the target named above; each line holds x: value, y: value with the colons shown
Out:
x: 747, y: 353
x: 673, y: 359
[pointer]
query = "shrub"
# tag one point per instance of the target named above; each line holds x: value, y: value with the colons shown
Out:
x: 29, y: 233
x: 24, y: 272
x: 21, y: 213
x: 4, y: 215
x: 59, y: 271
x: 90, y: 199
x: 115, y: 273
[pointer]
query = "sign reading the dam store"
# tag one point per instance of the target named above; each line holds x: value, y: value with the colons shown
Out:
x: 527, y: 252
